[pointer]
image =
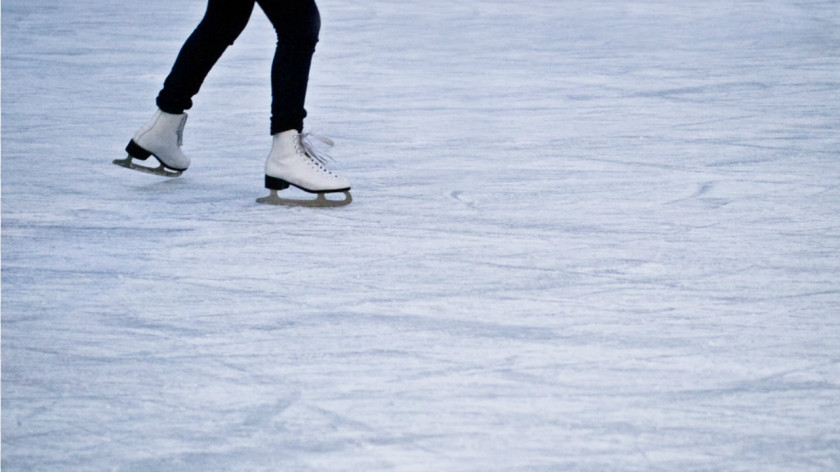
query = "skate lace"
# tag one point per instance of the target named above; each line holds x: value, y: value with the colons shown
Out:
x: 180, y: 131
x: 319, y: 157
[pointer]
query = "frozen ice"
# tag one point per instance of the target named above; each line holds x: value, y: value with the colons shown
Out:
x: 585, y: 235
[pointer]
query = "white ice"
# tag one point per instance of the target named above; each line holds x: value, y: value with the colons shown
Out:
x: 585, y: 236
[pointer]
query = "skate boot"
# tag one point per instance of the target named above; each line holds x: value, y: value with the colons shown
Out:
x: 162, y: 138
x: 293, y: 161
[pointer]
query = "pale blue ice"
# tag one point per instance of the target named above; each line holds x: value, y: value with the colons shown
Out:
x: 586, y: 236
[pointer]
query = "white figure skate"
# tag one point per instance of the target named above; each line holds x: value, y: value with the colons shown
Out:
x: 293, y: 161
x: 161, y: 137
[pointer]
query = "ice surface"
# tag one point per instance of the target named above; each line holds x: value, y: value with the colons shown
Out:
x: 586, y: 235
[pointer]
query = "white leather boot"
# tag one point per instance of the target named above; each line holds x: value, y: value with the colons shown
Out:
x: 161, y: 137
x: 293, y: 161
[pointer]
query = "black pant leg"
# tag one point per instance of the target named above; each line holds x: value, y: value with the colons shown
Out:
x: 223, y: 21
x: 297, y: 23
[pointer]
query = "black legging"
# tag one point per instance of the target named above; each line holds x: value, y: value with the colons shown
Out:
x: 297, y: 24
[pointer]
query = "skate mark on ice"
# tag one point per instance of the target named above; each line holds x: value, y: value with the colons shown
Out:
x: 470, y: 328
x: 704, y: 188
x: 337, y: 419
x: 369, y: 434
x: 263, y: 414
x: 701, y: 93
x: 697, y: 196
x: 457, y: 195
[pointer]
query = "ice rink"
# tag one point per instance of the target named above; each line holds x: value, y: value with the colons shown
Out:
x: 586, y: 236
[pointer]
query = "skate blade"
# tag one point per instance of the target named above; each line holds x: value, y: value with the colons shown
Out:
x: 319, y: 202
x: 160, y: 170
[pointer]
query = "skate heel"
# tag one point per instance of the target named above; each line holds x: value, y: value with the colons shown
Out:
x: 273, y: 183
x: 134, y: 150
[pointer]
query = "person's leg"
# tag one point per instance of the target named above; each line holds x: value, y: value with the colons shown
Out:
x: 292, y: 161
x: 221, y: 25
x: 297, y: 23
x: 162, y: 136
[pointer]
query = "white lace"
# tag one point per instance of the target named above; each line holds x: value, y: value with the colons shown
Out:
x: 318, y: 156
x: 180, y: 131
